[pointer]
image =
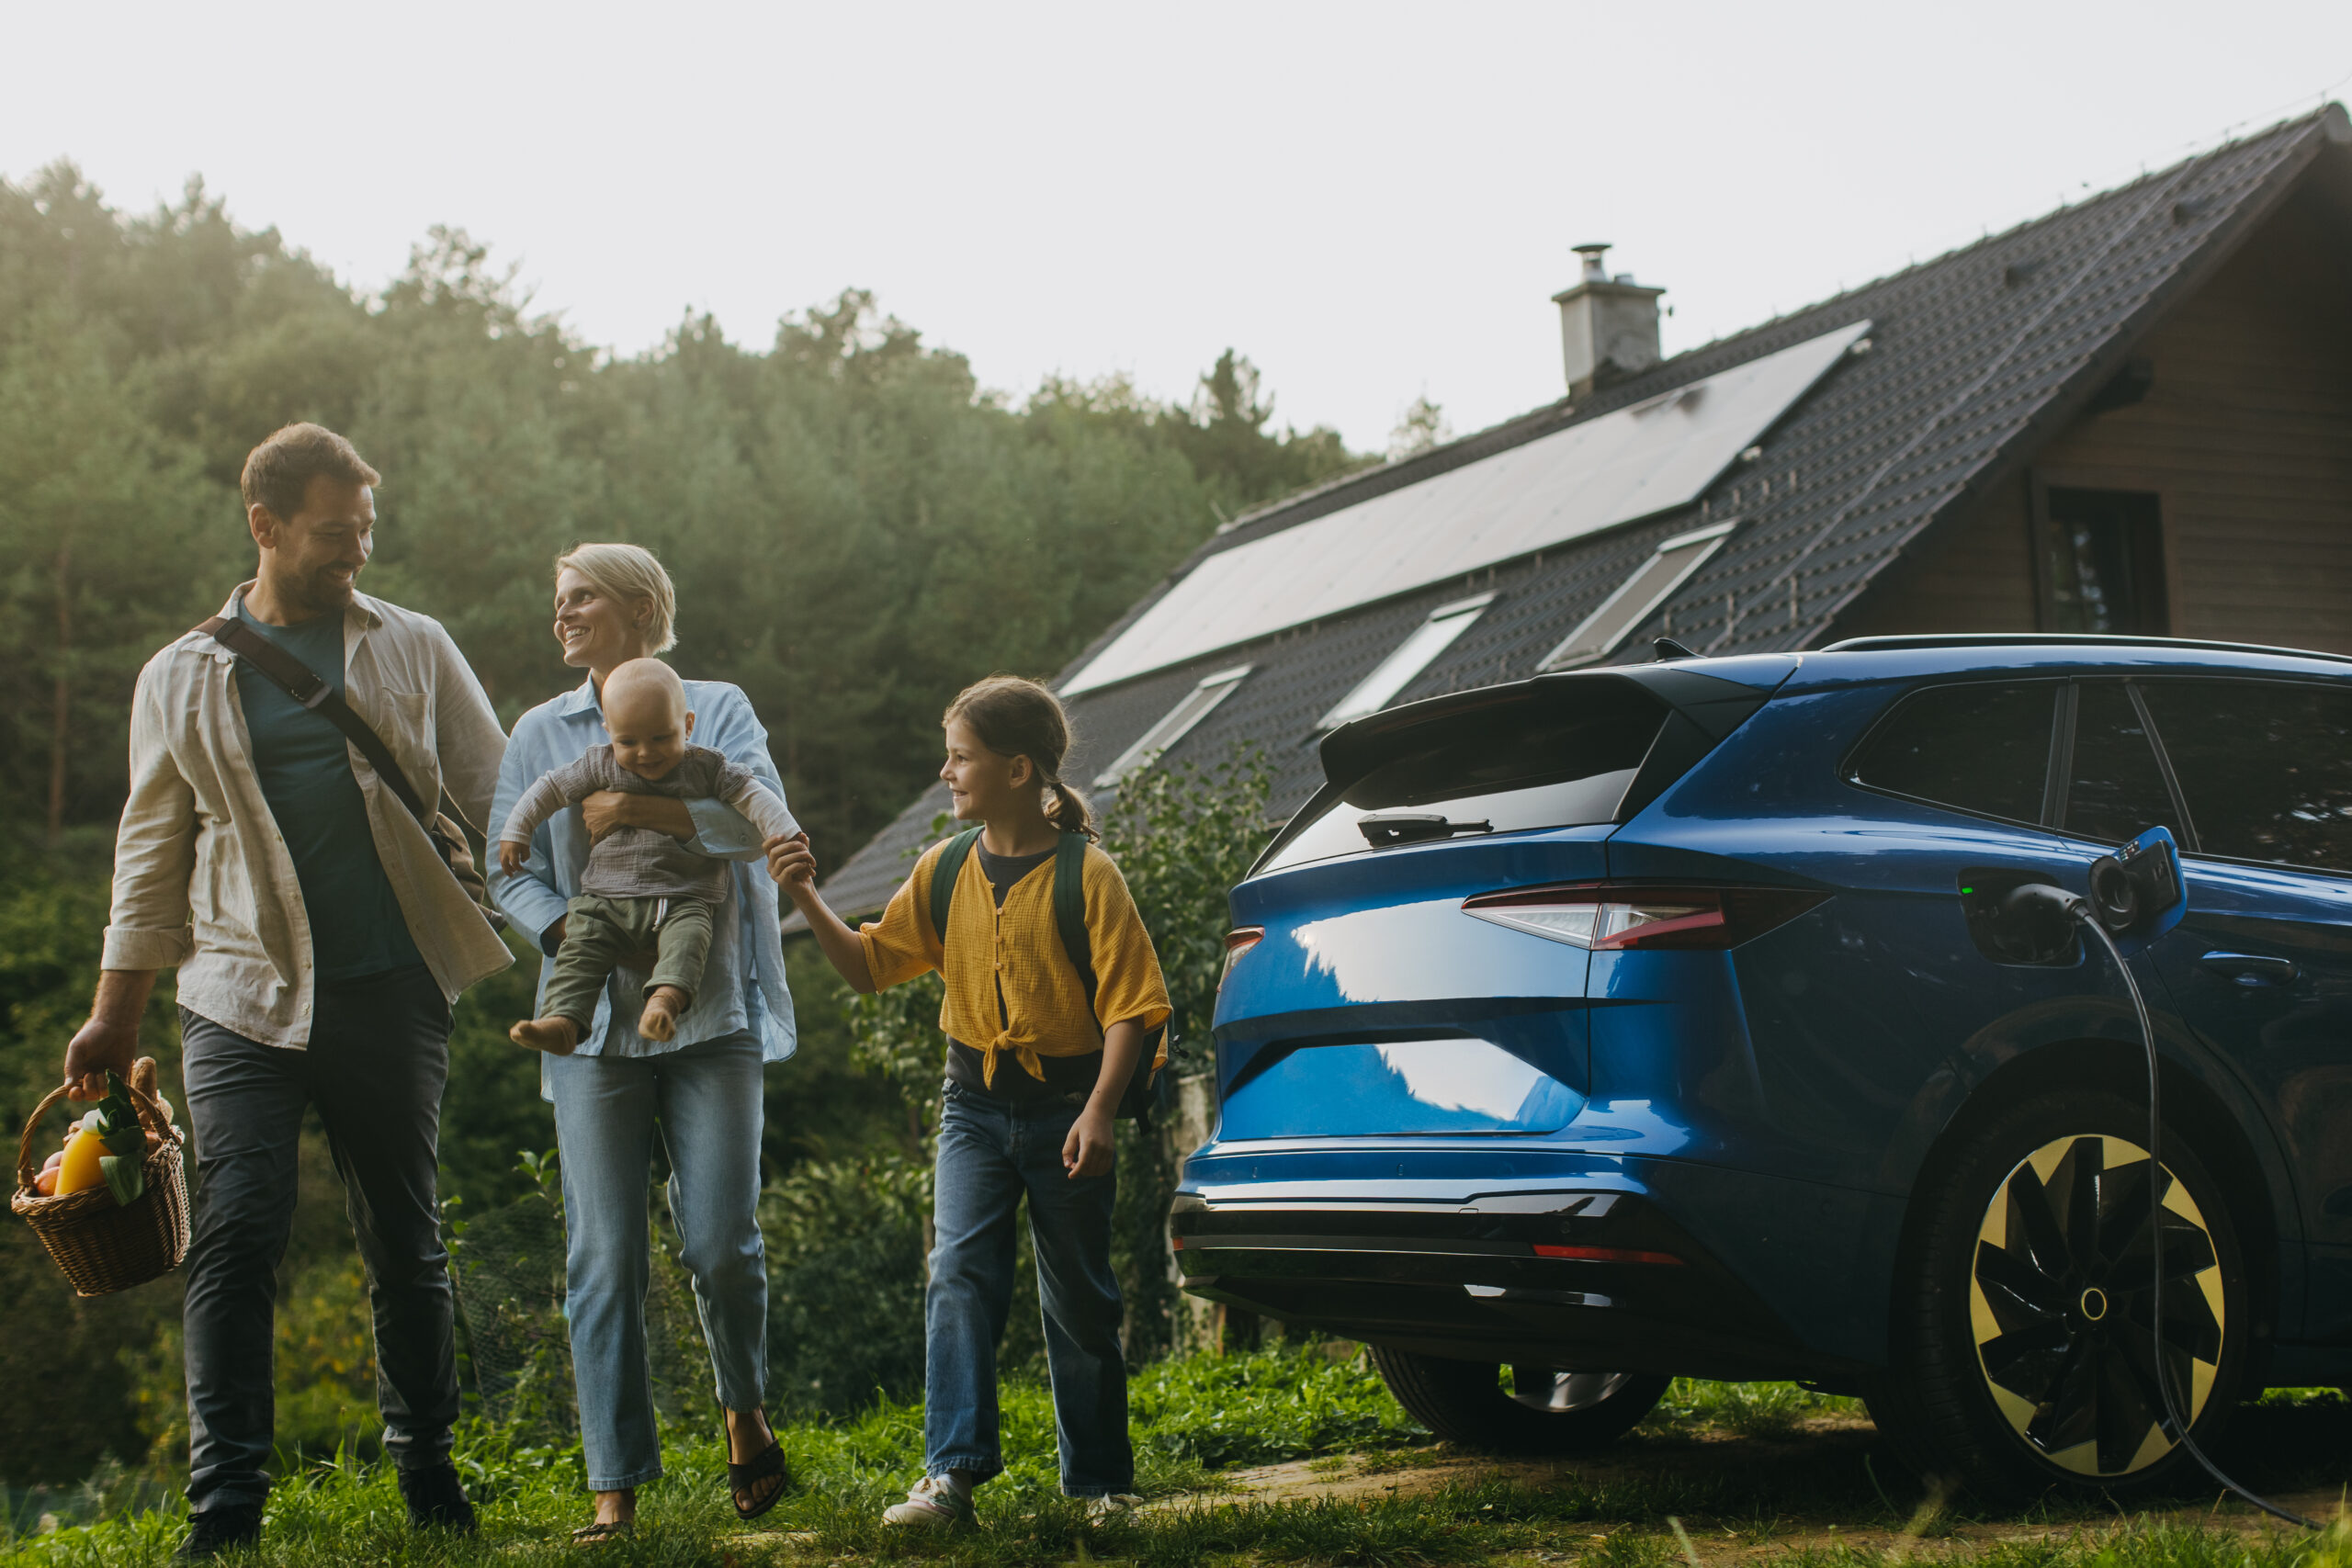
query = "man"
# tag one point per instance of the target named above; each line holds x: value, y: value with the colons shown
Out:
x: 321, y: 940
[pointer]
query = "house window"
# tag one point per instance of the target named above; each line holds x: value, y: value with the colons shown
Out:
x: 2102, y: 563
x: 1173, y: 725
x: 1412, y: 656
x: 1638, y: 597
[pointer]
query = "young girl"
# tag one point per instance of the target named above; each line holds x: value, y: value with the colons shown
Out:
x: 1033, y: 1078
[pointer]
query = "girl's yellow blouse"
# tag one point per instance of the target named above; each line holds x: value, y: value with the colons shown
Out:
x: 1045, y: 1011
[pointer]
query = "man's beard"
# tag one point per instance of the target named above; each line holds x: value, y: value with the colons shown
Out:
x: 324, y: 593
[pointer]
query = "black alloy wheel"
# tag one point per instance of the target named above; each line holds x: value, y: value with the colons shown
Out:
x: 2023, y: 1343
x: 1544, y: 1411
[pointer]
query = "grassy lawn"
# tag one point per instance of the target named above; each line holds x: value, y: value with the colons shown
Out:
x: 1296, y: 1458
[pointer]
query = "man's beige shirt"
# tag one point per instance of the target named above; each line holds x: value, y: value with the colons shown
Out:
x: 202, y: 878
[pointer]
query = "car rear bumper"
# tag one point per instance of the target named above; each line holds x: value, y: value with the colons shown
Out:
x: 1591, y: 1280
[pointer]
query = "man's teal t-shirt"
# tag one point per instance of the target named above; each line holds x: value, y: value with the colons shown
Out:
x: 304, y: 769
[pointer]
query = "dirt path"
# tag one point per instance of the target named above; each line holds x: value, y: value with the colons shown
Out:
x: 1852, y: 1512
x: 1823, y: 1484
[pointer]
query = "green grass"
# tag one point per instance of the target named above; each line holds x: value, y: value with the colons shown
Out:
x: 1194, y: 1416
x: 1749, y: 1409
x: 1191, y: 1417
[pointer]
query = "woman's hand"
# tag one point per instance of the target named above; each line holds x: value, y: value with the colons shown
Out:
x: 793, y: 863
x: 610, y: 808
x: 604, y: 811
x: 1085, y: 1152
x: 511, y: 856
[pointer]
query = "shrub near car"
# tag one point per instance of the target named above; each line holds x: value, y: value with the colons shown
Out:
x: 1650, y: 1021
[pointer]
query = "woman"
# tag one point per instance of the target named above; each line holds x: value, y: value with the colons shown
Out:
x: 699, y: 1092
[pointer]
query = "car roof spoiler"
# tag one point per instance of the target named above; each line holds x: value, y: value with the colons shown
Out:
x: 1701, y: 709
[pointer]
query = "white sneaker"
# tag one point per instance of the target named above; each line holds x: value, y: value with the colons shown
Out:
x: 1112, y: 1505
x: 935, y: 1502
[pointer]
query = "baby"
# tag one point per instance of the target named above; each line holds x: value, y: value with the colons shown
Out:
x: 643, y: 891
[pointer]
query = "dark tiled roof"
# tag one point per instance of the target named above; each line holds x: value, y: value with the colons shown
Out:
x: 1974, y: 357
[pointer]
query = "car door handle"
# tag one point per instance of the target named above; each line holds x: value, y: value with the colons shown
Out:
x: 2252, y: 968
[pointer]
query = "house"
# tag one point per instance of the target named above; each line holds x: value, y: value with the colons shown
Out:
x: 2131, y: 416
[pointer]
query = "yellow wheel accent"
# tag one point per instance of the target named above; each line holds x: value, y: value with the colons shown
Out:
x: 2061, y: 1299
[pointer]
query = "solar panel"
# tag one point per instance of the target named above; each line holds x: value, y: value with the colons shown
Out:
x: 1634, y: 463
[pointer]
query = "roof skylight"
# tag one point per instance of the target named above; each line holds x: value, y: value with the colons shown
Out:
x: 1634, y: 463
x: 1412, y: 656
x: 1173, y: 725
x: 1638, y: 597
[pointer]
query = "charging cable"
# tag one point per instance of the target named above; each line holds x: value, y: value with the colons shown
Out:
x: 2079, y: 911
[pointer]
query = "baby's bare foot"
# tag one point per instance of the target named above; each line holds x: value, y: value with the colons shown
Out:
x: 660, y: 1020
x: 555, y: 1036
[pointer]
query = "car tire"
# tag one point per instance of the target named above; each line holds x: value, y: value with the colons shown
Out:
x: 1545, y: 1413
x: 2021, y: 1356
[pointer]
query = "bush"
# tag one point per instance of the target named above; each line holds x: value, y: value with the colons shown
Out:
x: 845, y: 1244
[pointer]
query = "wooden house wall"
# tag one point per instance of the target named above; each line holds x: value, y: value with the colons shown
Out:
x: 2245, y: 435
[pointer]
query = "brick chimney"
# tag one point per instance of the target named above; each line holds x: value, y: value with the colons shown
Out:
x: 1608, y: 325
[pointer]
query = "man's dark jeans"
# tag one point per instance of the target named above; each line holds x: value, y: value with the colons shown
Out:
x: 378, y: 1060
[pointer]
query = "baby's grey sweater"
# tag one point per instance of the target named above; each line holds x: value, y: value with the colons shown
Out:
x: 641, y: 863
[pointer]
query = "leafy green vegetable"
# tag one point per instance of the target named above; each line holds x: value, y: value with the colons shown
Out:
x: 116, y: 1121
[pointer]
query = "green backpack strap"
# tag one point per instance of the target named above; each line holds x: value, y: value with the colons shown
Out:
x: 1142, y: 1095
x: 944, y: 872
x: 1069, y: 908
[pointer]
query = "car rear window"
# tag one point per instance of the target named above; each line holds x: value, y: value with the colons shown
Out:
x: 1541, y: 762
x: 2266, y: 766
x: 1978, y: 745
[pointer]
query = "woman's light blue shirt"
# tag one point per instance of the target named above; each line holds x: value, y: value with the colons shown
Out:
x: 743, y: 986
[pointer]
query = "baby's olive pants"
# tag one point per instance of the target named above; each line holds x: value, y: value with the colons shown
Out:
x: 600, y: 934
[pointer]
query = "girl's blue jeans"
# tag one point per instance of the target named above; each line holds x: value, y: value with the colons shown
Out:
x: 989, y: 1155
x: 703, y: 1102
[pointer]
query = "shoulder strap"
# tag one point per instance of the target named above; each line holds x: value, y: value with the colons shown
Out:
x: 314, y: 692
x: 1069, y: 908
x: 944, y: 872
x: 1140, y: 1098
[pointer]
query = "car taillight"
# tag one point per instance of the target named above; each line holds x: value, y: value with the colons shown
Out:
x: 1608, y: 917
x: 1238, y: 942
x: 1606, y: 1255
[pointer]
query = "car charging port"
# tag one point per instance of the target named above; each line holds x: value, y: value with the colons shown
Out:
x: 2008, y: 929
x: 2134, y: 892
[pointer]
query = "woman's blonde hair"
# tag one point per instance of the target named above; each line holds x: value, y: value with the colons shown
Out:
x: 1014, y: 717
x: 629, y: 572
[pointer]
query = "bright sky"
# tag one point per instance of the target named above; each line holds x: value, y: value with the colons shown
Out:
x: 1372, y: 201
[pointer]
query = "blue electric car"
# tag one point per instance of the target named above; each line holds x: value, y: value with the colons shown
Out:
x: 1657, y: 1020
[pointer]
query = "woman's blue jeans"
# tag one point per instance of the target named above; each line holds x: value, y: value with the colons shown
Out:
x: 989, y: 1155
x: 703, y: 1102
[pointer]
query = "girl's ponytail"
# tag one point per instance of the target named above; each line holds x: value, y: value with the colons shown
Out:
x: 1069, y: 811
x: 1014, y: 717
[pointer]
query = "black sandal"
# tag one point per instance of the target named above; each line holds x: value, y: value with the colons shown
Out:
x: 596, y: 1534
x: 743, y: 1480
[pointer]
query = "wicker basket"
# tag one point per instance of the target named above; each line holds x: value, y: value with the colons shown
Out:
x: 103, y: 1245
